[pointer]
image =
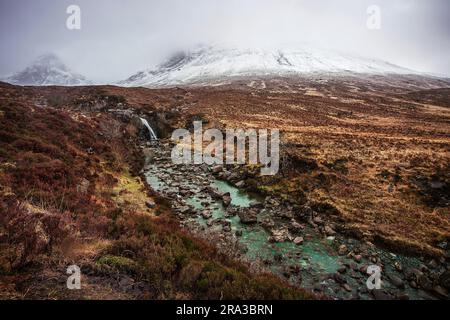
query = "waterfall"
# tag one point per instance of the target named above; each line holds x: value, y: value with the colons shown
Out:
x: 150, y: 130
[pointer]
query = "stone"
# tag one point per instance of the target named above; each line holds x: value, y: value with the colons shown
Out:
x: 381, y: 295
x: 226, y: 199
x: 402, y: 296
x: 318, y: 220
x: 347, y: 287
x: 280, y: 235
x: 248, y: 217
x: 298, y: 240
x: 342, y: 251
x: 396, y: 281
x: 217, y: 169
x: 424, y: 282
x: 338, y: 278
x: 215, y: 194
x: 444, y: 279
x: 296, y: 226
x: 206, y: 214
x: 240, y: 184
x: 441, y: 292
x: 184, y: 210
x: 342, y: 269
x: 329, y: 231
x: 150, y: 203
x: 357, y: 258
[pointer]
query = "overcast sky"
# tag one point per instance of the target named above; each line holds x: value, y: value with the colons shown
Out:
x: 119, y: 37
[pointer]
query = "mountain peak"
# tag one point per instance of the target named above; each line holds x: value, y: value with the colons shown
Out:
x: 47, y: 69
x: 204, y: 63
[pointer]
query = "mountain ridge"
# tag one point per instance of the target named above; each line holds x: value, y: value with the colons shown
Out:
x: 48, y: 69
x: 205, y: 63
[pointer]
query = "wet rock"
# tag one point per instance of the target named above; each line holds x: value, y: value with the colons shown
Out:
x: 240, y: 184
x: 280, y: 235
x: 248, y: 216
x: 206, y: 214
x: 338, y: 278
x: 295, y: 226
x: 342, y: 251
x: 424, y: 282
x: 347, y: 287
x: 402, y: 296
x: 286, y: 214
x: 441, y: 293
x: 413, y: 274
x: 150, y: 203
x: 444, y: 279
x: 184, y: 210
x: 215, y: 194
x: 381, y: 295
x: 396, y: 281
x: 226, y: 199
x: 432, y: 264
x: 329, y: 231
x: 217, y: 169
x: 342, y: 269
x: 363, y: 269
x: 318, y: 220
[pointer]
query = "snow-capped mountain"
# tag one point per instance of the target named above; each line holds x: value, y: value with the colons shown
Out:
x: 47, y: 70
x: 205, y: 64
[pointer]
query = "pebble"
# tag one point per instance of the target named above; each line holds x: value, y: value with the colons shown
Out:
x: 342, y: 250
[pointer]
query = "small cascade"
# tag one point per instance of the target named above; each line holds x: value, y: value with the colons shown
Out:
x: 150, y: 130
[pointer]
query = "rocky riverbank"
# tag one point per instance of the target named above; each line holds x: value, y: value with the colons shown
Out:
x: 275, y: 236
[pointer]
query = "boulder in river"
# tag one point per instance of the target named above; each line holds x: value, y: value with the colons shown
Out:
x: 342, y: 250
x: 280, y: 235
x: 248, y: 216
x: 240, y: 184
x: 206, y: 214
x: 298, y: 240
x: 215, y: 194
x: 226, y: 198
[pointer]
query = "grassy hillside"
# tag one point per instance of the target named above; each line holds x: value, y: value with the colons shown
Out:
x: 70, y: 193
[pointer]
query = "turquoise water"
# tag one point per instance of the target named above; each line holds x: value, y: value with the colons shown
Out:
x: 313, y: 252
x: 314, y: 259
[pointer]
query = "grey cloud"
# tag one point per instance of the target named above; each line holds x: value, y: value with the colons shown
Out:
x: 119, y: 37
